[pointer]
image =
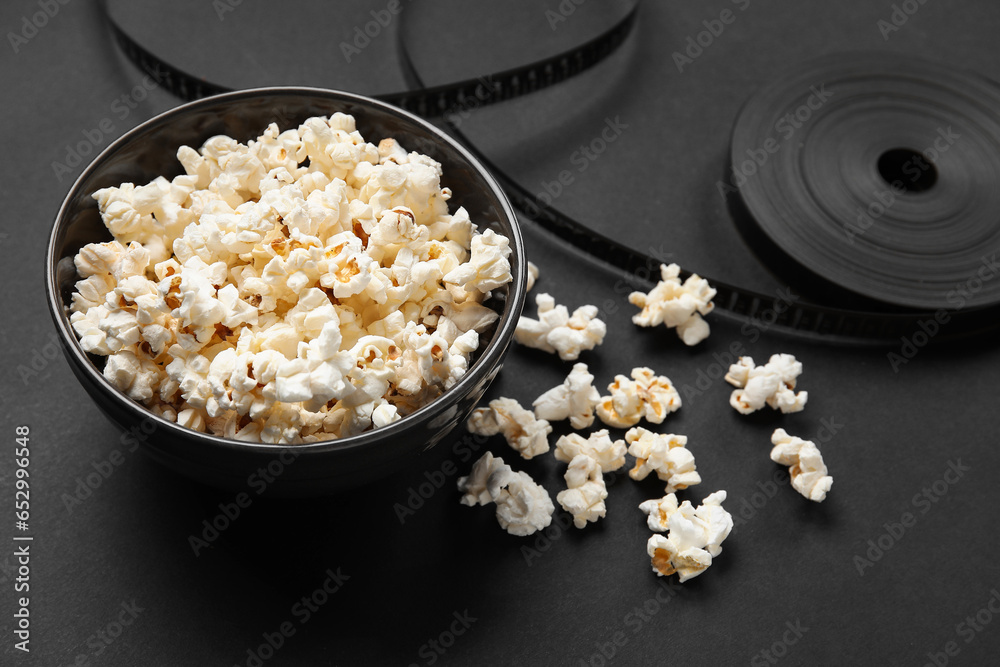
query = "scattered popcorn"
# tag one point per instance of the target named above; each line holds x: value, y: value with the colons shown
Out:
x: 556, y: 331
x: 658, y: 511
x: 645, y: 395
x: 609, y: 454
x: 676, y: 305
x: 585, y: 492
x: 664, y: 454
x: 771, y: 383
x: 527, y: 435
x: 695, y: 535
x: 574, y: 399
x: 623, y: 408
x: 487, y: 473
x: 304, y: 286
x: 523, y: 507
x: 806, y: 467
x: 532, y: 275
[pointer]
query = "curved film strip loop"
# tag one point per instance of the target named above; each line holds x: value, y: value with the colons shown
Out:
x: 428, y: 102
x: 814, y: 321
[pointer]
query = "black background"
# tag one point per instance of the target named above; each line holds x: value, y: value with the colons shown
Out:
x: 792, y: 562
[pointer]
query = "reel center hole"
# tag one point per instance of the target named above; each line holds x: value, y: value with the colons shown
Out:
x: 907, y: 170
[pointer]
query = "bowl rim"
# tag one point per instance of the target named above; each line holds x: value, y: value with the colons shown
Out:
x: 488, y: 358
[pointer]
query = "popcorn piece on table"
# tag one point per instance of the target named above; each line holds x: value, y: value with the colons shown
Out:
x: 532, y: 275
x: 659, y: 397
x: 658, y: 511
x: 646, y: 395
x: 574, y: 399
x: 677, y: 305
x: 806, y: 467
x: 527, y: 435
x: 585, y: 492
x: 609, y: 454
x: 556, y: 331
x: 488, y: 474
x: 664, y: 454
x: 523, y: 507
x: 623, y: 407
x: 771, y: 383
x: 695, y: 535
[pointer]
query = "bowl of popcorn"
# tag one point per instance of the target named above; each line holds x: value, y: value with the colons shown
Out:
x: 292, y: 284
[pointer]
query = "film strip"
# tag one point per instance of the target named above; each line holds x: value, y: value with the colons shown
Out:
x: 853, y: 320
x: 427, y: 102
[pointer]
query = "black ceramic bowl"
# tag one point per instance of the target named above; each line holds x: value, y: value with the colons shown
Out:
x: 149, y: 151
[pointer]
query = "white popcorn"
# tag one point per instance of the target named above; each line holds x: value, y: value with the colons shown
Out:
x: 470, y: 316
x: 676, y: 305
x: 645, y: 395
x: 525, y: 434
x: 659, y: 397
x: 575, y: 399
x: 121, y: 329
x: 555, y: 331
x: 137, y: 377
x: 265, y: 301
x: 427, y: 360
x: 487, y: 473
x: 199, y: 306
x: 127, y: 213
x: 235, y: 311
x: 806, y: 467
x: 189, y: 371
x: 532, y: 275
x: 664, y: 454
x: 385, y: 414
x: 192, y: 419
x: 608, y: 453
x: 658, y: 512
x: 585, y: 492
x: 770, y: 384
x: 112, y: 259
x: 695, y: 536
x: 91, y: 292
x: 87, y: 325
x: 487, y: 268
x: 623, y: 407
x: 523, y: 507
x: 350, y: 271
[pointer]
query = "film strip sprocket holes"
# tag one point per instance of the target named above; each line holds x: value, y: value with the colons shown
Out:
x: 429, y: 102
x: 823, y: 323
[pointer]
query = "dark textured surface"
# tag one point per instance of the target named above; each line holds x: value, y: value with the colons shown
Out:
x: 791, y: 562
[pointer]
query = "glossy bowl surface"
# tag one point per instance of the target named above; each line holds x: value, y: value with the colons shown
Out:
x: 148, y: 151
